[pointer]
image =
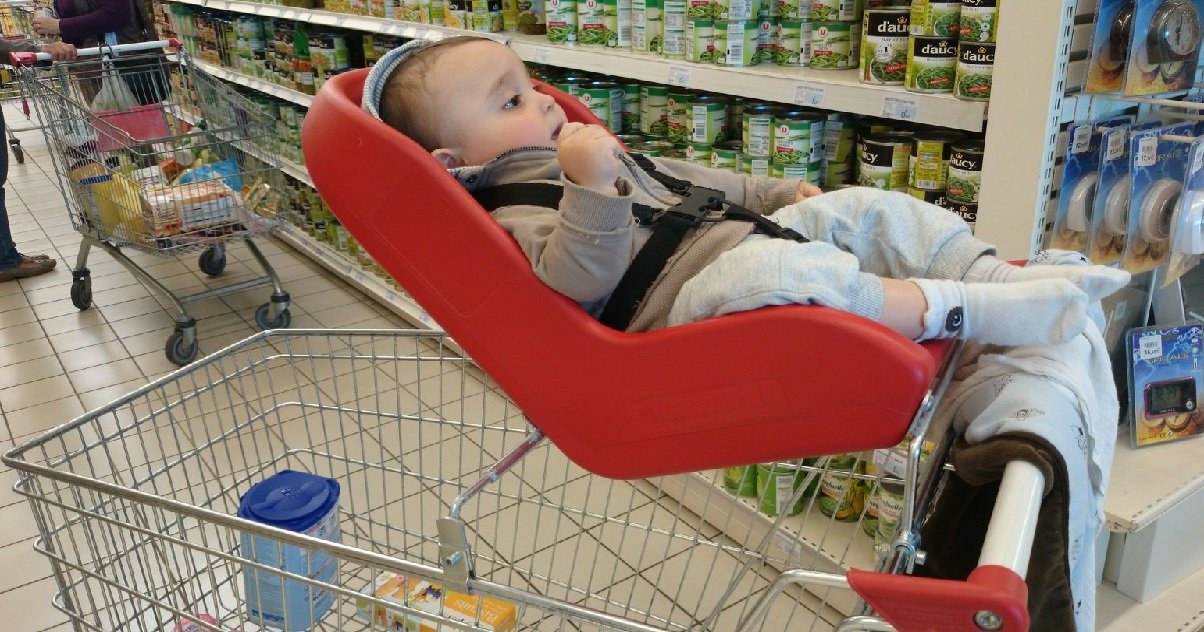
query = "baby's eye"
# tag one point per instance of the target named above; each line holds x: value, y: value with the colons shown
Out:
x: 513, y: 102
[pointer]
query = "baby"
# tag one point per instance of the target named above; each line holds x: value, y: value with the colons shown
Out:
x: 909, y: 265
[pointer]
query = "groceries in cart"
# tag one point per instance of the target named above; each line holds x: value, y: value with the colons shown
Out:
x: 417, y: 593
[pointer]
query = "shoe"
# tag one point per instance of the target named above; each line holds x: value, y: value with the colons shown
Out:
x: 35, y: 257
x: 27, y: 268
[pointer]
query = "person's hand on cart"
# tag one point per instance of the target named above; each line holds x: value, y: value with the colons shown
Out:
x: 59, y: 51
x: 46, y: 25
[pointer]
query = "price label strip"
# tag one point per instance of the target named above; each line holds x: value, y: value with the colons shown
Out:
x: 900, y: 107
x: 679, y: 76
x: 809, y: 95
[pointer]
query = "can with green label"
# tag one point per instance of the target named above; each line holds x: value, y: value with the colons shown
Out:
x: 571, y: 84
x: 631, y: 108
x: 680, y: 116
x: 964, y: 177
x: 700, y: 40
x: 673, y: 33
x: 766, y: 30
x: 930, y: 158
x: 605, y: 100
x: 792, y: 43
x: 978, y: 21
x: 834, y: 45
x: 647, y: 25
x: 975, y: 67
x: 561, y: 18
x: 699, y: 153
x: 708, y: 116
x: 754, y: 165
x: 597, y: 23
x: 738, y: 9
x: 741, y: 480
x: 931, y: 64
x: 756, y: 129
x: 936, y: 17
x: 968, y: 212
x: 736, y: 42
x: 841, y: 496
x: 792, y: 9
x: 884, y: 46
x: 654, y: 114
x: 798, y: 137
x: 726, y: 156
x: 836, y: 10
x: 840, y: 135
x: 930, y: 196
x: 798, y: 170
x: 735, y: 114
x: 777, y: 485
x: 884, y: 502
x: 883, y: 161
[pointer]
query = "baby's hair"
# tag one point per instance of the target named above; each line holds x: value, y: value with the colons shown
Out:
x: 406, y: 103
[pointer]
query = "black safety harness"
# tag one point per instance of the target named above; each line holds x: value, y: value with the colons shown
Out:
x: 670, y: 227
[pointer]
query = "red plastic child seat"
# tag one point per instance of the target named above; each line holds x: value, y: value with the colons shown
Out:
x: 774, y: 384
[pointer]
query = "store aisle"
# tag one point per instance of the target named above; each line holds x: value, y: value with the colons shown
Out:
x: 57, y: 362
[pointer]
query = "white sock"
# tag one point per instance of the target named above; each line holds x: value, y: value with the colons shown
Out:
x: 1039, y: 312
x: 1096, y: 281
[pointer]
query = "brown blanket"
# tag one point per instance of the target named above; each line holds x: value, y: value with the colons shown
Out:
x: 953, y: 534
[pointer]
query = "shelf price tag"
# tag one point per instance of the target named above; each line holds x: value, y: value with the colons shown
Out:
x: 679, y: 76
x: 807, y: 94
x: 1150, y: 346
x: 542, y: 54
x: 901, y: 107
x: 1147, y: 152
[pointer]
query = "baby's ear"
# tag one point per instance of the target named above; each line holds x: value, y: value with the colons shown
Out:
x: 447, y: 158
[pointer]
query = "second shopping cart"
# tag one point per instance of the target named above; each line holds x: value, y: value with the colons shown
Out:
x: 153, y: 154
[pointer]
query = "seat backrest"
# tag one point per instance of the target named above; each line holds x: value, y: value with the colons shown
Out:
x: 774, y: 384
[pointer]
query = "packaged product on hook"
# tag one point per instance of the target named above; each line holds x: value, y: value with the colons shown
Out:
x: 1165, y: 48
x: 1110, y: 208
x: 1110, y: 42
x: 1080, y: 176
x: 1159, y: 166
x: 1187, y: 227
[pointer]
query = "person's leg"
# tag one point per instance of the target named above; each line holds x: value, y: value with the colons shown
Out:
x: 14, y: 265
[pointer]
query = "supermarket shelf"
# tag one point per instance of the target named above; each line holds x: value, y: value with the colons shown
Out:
x: 1148, y: 482
x: 827, y: 542
x: 384, y: 26
x: 828, y: 89
x: 351, y: 272
x: 259, y: 85
x: 1176, y: 610
x: 837, y: 90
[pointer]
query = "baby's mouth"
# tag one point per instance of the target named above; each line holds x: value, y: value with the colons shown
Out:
x: 556, y: 132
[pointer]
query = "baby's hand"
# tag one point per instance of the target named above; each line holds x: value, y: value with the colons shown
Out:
x: 806, y: 190
x: 589, y: 155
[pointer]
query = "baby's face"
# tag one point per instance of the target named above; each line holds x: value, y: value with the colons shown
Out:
x: 488, y: 104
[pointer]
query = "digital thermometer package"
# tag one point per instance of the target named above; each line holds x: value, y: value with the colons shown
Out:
x: 1159, y: 165
x: 1166, y: 380
x: 1080, y: 177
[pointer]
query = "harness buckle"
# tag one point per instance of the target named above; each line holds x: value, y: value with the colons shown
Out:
x: 699, y: 204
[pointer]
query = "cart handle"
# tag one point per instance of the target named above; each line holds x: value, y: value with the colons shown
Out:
x: 30, y: 58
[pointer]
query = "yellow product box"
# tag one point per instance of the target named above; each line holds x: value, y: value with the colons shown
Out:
x: 429, y: 597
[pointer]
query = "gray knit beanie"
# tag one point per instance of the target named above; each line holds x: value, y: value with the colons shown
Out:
x: 374, y: 85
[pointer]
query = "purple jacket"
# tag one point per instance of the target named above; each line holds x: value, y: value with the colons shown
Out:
x: 85, y: 28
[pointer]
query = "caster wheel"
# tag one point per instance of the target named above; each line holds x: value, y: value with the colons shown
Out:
x: 18, y: 153
x: 178, y: 353
x: 282, y: 320
x: 81, y: 293
x: 212, y: 262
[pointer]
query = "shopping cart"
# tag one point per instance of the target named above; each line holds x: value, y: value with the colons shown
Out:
x: 153, y: 154
x: 16, y: 23
x: 443, y: 481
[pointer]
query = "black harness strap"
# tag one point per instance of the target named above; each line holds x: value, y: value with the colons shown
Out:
x: 671, y: 225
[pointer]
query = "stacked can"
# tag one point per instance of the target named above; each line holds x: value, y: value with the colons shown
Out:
x: 884, y: 46
x: 929, y: 164
x: 840, y: 151
x: 964, y: 179
x: 835, y: 42
x: 647, y: 25
x: 977, y: 25
x: 798, y: 145
x: 884, y: 160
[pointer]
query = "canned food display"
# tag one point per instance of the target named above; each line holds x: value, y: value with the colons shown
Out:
x: 737, y: 9
x: 736, y: 42
x: 726, y: 156
x: 931, y: 64
x: 930, y: 158
x: 836, y: 10
x: 654, y: 112
x: 708, y: 118
x: 834, y: 45
x: 647, y: 25
x: 598, y: 23
x: 561, y: 16
x: 679, y: 114
x: 936, y: 17
x: 700, y: 40
x: 978, y: 21
x: 699, y: 153
x: 673, y: 34
x: 884, y: 160
x: 792, y: 43
x: 975, y: 67
x: 964, y: 173
x: 756, y: 129
x: 605, y: 100
x: 840, y: 495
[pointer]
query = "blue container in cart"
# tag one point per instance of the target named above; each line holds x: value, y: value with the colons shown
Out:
x: 300, y: 502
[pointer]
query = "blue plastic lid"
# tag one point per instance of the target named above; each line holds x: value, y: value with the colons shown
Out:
x: 290, y: 500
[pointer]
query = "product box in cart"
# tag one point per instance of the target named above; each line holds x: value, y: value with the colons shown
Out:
x: 427, y: 596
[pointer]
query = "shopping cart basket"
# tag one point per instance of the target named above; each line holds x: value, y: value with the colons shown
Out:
x: 16, y: 23
x: 443, y: 483
x: 153, y: 154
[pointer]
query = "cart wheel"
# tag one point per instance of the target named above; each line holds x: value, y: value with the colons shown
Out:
x: 212, y: 261
x: 18, y: 153
x: 81, y: 293
x: 177, y: 353
x: 282, y: 320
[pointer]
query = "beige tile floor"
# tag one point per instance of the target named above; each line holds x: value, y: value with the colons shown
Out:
x: 57, y: 362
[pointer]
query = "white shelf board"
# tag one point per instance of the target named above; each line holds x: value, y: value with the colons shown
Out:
x: 1178, y: 609
x: 1148, y: 482
x: 341, y: 20
x: 837, y: 90
x: 259, y: 85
